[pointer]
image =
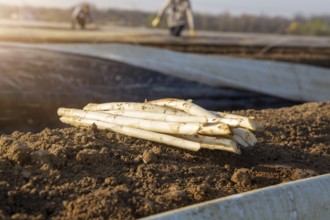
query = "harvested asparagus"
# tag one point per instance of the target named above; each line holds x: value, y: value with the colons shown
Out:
x: 214, y: 143
x: 155, y: 126
x: 210, y: 140
x: 241, y: 141
x: 134, y: 132
x: 183, y: 105
x: 174, y: 122
x: 246, y: 135
x: 226, y: 115
x: 151, y: 125
x: 193, y: 109
x: 221, y: 147
x: 241, y: 121
x: 164, y: 117
x: 214, y: 129
x: 147, y: 135
x: 132, y: 106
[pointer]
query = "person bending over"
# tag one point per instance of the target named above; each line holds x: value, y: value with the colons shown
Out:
x: 81, y: 15
x: 179, y: 14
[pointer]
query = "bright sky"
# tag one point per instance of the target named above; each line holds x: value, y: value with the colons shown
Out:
x: 267, y: 7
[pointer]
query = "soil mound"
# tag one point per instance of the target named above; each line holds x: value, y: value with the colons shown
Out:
x: 88, y: 174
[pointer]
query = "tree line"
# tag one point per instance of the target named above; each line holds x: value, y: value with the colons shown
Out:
x: 315, y: 25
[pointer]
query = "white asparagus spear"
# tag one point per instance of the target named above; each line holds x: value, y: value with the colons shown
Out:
x: 183, y: 105
x: 132, y: 106
x: 246, y: 135
x: 134, y: 132
x: 241, y: 121
x: 240, y: 141
x: 233, y: 122
x: 214, y: 129
x: 227, y: 115
x: 214, y: 143
x: 221, y: 147
x: 164, y: 117
x: 150, y: 125
x: 155, y: 126
x: 193, y: 109
x: 210, y: 140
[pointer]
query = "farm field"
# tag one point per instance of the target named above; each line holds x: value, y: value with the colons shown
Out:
x: 49, y: 170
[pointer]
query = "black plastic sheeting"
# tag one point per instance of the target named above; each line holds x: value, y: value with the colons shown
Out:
x: 35, y: 83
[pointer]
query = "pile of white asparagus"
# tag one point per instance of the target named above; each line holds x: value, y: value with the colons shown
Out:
x: 174, y: 122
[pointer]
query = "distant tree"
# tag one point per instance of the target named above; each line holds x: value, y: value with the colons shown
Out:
x: 315, y: 27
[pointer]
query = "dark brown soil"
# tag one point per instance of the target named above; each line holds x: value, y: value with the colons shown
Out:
x: 83, y: 173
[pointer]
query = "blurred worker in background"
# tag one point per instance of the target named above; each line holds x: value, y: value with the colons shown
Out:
x: 82, y: 15
x: 179, y: 14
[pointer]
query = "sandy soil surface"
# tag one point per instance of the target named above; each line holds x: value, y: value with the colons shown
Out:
x: 299, y: 49
x: 34, y: 31
x: 85, y: 173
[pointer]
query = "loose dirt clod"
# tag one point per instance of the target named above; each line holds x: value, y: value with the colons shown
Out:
x: 242, y: 177
x: 148, y: 157
x: 84, y: 173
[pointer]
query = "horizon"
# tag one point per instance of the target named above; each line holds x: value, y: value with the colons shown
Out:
x: 237, y: 7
